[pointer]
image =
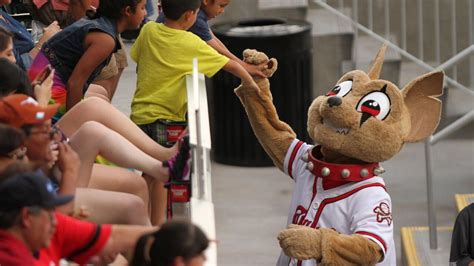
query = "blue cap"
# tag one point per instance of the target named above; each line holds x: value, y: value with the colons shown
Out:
x: 27, y: 190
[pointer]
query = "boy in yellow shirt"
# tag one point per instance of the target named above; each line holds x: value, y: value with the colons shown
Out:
x: 164, y: 54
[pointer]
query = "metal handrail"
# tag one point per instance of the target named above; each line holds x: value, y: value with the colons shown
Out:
x: 456, y: 58
x: 395, y: 47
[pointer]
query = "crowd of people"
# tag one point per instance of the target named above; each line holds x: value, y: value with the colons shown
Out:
x: 56, y: 122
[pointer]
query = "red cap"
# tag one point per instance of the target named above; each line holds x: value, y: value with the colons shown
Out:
x: 18, y: 110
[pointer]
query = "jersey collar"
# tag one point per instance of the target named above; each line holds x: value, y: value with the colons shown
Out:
x: 335, y: 175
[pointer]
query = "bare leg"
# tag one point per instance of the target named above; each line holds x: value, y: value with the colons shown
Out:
x: 93, y: 138
x: 158, y: 200
x: 112, y: 207
x: 95, y: 109
x: 118, y: 179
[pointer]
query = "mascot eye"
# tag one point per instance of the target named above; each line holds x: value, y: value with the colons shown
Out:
x: 376, y: 104
x: 341, y: 89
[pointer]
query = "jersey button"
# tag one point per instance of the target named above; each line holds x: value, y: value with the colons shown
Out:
x: 315, y: 205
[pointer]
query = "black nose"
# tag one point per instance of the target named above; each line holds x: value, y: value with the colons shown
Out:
x: 334, y: 101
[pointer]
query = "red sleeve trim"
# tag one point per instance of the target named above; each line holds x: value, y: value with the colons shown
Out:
x: 292, y: 158
x: 374, y: 236
x: 98, y: 240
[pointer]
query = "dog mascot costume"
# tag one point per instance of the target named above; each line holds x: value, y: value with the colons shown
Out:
x: 340, y: 211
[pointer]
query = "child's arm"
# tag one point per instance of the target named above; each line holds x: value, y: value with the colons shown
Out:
x: 237, y: 70
x: 99, y: 46
x: 254, y: 70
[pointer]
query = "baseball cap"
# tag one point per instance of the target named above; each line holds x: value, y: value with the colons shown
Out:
x: 29, y: 189
x: 18, y: 110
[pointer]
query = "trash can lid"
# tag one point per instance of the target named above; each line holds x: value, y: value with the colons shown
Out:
x: 262, y: 27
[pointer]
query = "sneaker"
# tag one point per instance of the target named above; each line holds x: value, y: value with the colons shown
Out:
x: 180, y: 165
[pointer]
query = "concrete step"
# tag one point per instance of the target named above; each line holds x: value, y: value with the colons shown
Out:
x: 332, y: 44
x: 416, y: 249
x: 326, y: 23
x: 364, y: 51
x: 462, y: 200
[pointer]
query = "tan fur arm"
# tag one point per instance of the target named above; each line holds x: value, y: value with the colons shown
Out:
x: 274, y: 135
x: 340, y: 249
x: 328, y: 247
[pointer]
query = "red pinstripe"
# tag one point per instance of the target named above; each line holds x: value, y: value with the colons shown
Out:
x: 292, y: 158
x: 374, y: 236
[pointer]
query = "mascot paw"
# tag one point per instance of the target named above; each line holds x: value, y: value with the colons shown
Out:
x: 301, y: 242
x: 255, y: 57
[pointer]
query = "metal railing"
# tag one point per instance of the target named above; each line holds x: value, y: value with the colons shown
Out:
x: 368, y: 28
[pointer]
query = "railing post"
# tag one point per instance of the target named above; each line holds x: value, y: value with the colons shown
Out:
x: 371, y: 14
x: 404, y: 24
x: 471, y: 41
x: 437, y: 33
x: 454, y: 42
x: 387, y: 19
x: 429, y: 192
x: 420, y: 30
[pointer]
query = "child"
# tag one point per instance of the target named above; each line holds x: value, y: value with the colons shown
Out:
x: 209, y: 10
x: 6, y: 45
x: 164, y: 54
x: 175, y: 243
x: 80, y: 51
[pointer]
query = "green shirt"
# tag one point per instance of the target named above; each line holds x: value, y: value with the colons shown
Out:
x: 164, y: 57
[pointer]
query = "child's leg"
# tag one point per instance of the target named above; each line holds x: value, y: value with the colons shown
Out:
x: 112, y: 207
x: 95, y: 109
x: 158, y: 199
x: 158, y: 192
x: 118, y: 179
x: 93, y: 138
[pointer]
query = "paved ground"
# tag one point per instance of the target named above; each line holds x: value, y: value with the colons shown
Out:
x: 251, y: 204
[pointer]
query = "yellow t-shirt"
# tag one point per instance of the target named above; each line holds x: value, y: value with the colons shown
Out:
x: 164, y: 57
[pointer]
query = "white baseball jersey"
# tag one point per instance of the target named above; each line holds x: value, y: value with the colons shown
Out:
x: 362, y: 208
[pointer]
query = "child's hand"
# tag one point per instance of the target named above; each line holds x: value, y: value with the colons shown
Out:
x: 43, y: 90
x: 256, y: 70
x: 82, y: 214
x: 68, y: 159
x: 50, y: 31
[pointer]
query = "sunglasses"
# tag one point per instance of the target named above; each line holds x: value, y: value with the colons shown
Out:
x: 55, y: 133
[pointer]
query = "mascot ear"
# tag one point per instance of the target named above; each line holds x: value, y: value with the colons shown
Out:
x: 424, y: 108
x: 374, y: 71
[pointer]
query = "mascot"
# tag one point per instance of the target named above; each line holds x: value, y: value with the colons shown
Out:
x: 340, y: 212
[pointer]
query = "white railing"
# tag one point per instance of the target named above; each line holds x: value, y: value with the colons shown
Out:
x: 420, y: 59
x: 202, y: 207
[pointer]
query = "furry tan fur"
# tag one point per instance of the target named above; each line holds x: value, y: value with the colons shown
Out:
x: 371, y: 134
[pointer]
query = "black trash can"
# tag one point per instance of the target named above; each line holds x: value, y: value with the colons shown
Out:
x: 289, y: 42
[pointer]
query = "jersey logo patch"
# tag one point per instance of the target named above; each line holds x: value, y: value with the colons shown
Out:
x: 383, y: 213
x: 300, y: 215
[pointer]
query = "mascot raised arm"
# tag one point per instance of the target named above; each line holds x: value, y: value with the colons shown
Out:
x: 341, y: 212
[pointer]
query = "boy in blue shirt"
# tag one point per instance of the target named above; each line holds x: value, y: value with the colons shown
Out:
x: 211, y: 9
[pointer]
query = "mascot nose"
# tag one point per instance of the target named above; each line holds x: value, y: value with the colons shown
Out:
x: 334, y: 101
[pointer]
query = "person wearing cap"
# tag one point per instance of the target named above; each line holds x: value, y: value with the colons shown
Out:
x: 65, y: 237
x: 27, y: 220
